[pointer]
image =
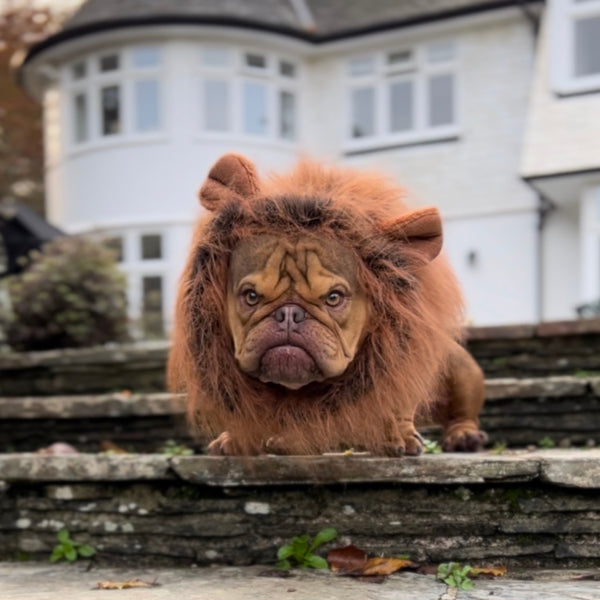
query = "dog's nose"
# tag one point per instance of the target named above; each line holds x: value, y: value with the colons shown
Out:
x: 288, y: 314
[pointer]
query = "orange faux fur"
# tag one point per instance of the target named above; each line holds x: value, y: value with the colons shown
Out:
x: 416, y: 314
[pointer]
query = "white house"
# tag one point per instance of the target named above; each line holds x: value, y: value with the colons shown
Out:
x: 488, y: 109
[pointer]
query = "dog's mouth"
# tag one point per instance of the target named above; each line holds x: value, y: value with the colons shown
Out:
x: 288, y: 365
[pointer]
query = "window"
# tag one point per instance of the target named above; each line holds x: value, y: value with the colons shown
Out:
x: 248, y: 93
x: 575, y: 43
x: 115, y: 95
x: 402, y: 95
x: 111, y: 109
x: 152, y: 306
x: 151, y: 246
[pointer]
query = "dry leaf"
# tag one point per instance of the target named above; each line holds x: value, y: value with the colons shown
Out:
x: 385, y: 566
x: 111, y: 447
x: 348, y: 559
x: 125, y: 393
x: 491, y: 571
x: 124, y: 585
x: 58, y: 449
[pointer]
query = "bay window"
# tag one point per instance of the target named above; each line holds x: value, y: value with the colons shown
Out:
x: 115, y: 95
x: 248, y: 93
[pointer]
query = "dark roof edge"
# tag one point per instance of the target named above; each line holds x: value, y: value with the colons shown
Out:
x: 106, y: 25
x: 534, y: 178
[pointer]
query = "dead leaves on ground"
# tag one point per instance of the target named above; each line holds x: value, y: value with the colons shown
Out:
x: 125, y: 585
x: 355, y: 562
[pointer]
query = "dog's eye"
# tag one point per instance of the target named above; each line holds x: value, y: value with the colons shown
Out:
x: 251, y: 297
x: 334, y: 298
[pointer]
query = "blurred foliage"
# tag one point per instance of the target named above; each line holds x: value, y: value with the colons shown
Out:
x: 21, y: 152
x: 69, y: 295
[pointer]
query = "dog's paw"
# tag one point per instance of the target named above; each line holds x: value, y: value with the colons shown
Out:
x: 409, y: 442
x: 464, y: 436
x: 221, y: 446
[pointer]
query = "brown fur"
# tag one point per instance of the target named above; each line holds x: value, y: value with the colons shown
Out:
x: 406, y: 355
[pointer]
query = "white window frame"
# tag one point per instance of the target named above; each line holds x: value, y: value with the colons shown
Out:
x: 562, y: 15
x: 125, y: 77
x: 236, y: 74
x: 417, y: 70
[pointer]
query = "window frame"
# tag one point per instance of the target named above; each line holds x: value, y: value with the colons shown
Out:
x: 125, y: 78
x: 562, y: 16
x: 417, y: 70
x: 237, y: 74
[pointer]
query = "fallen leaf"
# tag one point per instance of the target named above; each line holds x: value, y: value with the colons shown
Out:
x: 491, y: 571
x: 124, y: 585
x: 385, y: 566
x: 348, y: 559
x: 125, y: 393
x: 111, y: 447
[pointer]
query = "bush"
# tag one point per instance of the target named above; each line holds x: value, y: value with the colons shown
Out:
x: 70, y: 295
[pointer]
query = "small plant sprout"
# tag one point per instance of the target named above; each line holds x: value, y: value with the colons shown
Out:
x: 300, y: 550
x: 69, y: 549
x: 455, y: 575
x: 172, y: 448
x: 546, y: 442
x: 432, y: 447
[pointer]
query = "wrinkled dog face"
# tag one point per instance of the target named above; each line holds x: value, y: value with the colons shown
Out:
x: 295, y: 309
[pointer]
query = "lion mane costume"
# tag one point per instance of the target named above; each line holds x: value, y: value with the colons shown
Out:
x: 316, y: 314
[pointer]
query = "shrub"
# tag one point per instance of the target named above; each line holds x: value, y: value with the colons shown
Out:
x: 70, y: 295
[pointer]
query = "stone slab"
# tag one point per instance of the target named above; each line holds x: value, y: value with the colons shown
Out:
x: 43, y: 582
x: 573, y: 469
x: 535, y: 387
x: 84, y: 467
x: 91, y: 406
x: 428, y: 469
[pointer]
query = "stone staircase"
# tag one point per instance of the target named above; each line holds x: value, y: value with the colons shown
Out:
x: 515, y: 504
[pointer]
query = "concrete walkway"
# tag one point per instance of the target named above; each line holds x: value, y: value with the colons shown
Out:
x: 20, y: 581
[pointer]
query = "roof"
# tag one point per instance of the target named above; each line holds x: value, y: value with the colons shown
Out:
x: 314, y: 21
x: 29, y: 220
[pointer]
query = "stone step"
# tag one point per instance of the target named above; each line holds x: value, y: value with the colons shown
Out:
x: 526, y: 509
x: 556, y: 348
x: 518, y: 412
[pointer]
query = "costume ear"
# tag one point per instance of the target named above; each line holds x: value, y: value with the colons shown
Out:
x: 422, y: 229
x: 231, y: 177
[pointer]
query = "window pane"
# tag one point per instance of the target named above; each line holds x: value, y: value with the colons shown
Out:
x: 216, y: 57
x: 256, y: 61
x: 152, y: 306
x: 287, y: 115
x: 401, y: 106
x: 109, y: 62
x: 81, y: 118
x: 255, y: 108
x: 111, y: 109
x: 144, y: 58
x: 147, y: 111
x: 151, y: 246
x: 78, y: 70
x: 364, y: 65
x: 400, y: 58
x: 441, y: 100
x: 216, y: 105
x: 363, y: 112
x: 587, y: 46
x: 440, y: 52
x: 287, y: 69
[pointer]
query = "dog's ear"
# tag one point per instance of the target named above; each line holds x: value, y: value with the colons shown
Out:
x: 232, y: 177
x: 421, y: 229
